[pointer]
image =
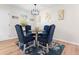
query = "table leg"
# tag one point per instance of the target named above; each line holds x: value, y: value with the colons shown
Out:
x: 36, y: 39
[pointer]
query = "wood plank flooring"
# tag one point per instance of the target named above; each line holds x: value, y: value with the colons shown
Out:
x: 9, y: 47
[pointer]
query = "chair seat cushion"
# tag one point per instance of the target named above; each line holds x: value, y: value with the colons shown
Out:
x: 43, y: 33
x: 28, y: 39
x: 30, y: 34
x: 42, y: 40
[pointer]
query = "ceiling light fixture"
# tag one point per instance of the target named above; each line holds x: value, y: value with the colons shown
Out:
x: 35, y: 11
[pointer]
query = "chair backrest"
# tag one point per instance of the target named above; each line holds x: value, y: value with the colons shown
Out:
x: 46, y: 28
x: 20, y: 33
x: 27, y: 28
x: 51, y: 33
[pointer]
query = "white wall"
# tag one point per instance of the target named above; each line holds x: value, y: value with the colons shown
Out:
x: 7, y: 24
x: 67, y: 29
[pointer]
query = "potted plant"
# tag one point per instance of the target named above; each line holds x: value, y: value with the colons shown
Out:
x: 23, y: 22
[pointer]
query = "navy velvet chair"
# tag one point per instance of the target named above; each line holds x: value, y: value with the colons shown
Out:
x: 45, y: 41
x: 44, y: 34
x: 28, y: 31
x: 23, y: 40
x: 46, y: 28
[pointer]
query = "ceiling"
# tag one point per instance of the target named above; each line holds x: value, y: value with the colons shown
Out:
x: 31, y: 6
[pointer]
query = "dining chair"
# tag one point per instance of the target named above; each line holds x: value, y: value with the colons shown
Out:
x: 45, y: 41
x: 44, y: 33
x: 46, y: 28
x: 28, y: 30
x: 23, y: 40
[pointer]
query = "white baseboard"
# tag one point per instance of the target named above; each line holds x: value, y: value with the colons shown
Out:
x: 13, y: 37
x: 9, y: 38
x: 74, y: 43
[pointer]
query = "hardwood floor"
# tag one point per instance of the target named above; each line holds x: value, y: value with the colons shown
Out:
x: 9, y: 47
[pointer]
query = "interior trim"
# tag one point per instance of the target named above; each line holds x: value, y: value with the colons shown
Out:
x: 68, y: 42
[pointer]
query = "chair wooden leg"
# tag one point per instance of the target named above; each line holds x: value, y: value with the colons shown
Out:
x: 38, y: 43
x: 24, y: 48
x: 19, y: 44
x: 34, y: 43
x: 47, y: 48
